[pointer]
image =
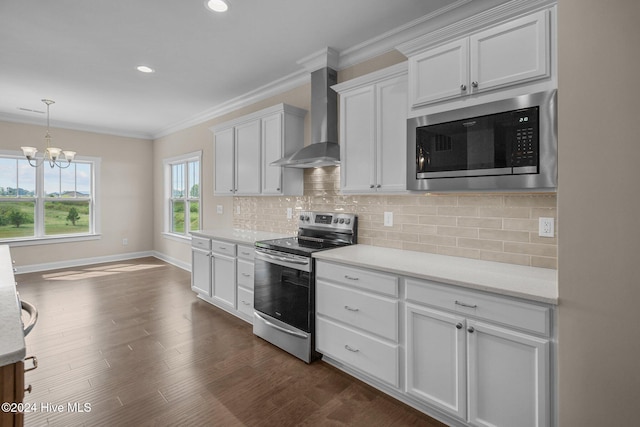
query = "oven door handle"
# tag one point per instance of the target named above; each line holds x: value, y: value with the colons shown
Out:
x: 280, y: 328
x: 284, y: 259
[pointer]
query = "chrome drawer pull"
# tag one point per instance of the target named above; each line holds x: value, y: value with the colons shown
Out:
x: 245, y: 253
x: 246, y: 274
x: 34, y: 360
x: 351, y: 308
x: 245, y: 303
x: 462, y: 304
x: 354, y: 350
x: 351, y: 278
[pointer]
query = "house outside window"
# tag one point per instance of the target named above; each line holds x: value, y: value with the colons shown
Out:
x: 182, y: 182
x: 42, y: 203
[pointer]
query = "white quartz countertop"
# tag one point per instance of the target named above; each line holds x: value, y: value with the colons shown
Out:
x: 242, y: 237
x: 532, y: 283
x: 12, y: 346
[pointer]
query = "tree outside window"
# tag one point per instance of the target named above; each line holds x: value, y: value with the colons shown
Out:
x: 184, y: 195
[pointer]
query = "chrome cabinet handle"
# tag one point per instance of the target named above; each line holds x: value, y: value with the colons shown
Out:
x: 245, y: 303
x: 474, y: 85
x: 471, y: 330
x: 34, y: 360
x: 245, y: 253
x: 351, y: 308
x: 379, y: 185
x: 459, y: 326
x: 351, y: 278
x: 371, y: 186
x: 246, y: 274
x: 462, y: 304
x: 463, y: 87
x: 351, y: 349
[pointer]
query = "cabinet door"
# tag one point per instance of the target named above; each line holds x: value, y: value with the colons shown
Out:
x: 272, y: 151
x: 224, y: 280
x: 223, y: 171
x: 391, y: 124
x: 436, y: 359
x: 510, y: 53
x: 247, y: 155
x: 201, y: 272
x: 357, y: 140
x: 508, y: 377
x: 439, y: 73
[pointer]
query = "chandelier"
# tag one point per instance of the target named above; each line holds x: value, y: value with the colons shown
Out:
x: 55, y: 156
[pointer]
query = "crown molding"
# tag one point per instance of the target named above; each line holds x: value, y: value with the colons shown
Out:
x: 283, y: 84
x: 503, y: 12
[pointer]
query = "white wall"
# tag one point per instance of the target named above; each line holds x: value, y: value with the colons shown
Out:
x: 125, y: 194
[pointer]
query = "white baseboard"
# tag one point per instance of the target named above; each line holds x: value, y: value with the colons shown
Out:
x: 32, y: 268
x: 173, y: 261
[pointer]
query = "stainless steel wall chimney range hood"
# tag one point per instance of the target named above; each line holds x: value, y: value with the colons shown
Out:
x: 324, y: 149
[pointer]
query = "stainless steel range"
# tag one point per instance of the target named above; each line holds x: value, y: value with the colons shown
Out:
x: 284, y: 290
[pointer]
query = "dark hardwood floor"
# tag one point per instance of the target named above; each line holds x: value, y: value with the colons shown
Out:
x: 132, y: 342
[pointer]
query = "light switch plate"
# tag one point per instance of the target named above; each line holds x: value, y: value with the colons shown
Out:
x: 289, y: 213
x: 219, y: 209
x: 388, y: 219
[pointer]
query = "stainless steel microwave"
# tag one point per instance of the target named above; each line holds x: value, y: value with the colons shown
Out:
x: 506, y: 145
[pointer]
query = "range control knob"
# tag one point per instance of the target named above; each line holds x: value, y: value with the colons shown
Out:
x: 335, y: 220
x: 347, y: 221
x: 301, y: 217
x: 341, y: 221
x: 306, y: 218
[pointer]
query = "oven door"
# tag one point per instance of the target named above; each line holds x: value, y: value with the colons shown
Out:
x: 282, y: 287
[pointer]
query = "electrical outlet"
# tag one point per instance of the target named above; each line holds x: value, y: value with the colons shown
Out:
x: 388, y: 219
x: 546, y: 227
x: 219, y: 209
x: 289, y: 213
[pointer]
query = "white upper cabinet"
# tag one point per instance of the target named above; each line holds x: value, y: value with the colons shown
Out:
x: 440, y: 73
x: 373, y: 122
x: 508, y: 54
x: 282, y: 135
x: 245, y: 147
x: 247, y: 158
x: 224, y: 170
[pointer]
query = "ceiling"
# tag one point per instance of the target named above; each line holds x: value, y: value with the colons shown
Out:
x: 83, y: 54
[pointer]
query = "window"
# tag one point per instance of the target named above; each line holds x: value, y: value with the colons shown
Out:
x: 44, y: 202
x: 182, y: 178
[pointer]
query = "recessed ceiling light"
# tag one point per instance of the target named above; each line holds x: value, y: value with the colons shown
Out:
x: 145, y: 69
x: 217, y: 5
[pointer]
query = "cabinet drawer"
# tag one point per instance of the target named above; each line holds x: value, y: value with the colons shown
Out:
x: 200, y: 242
x: 369, y: 312
x: 367, y: 354
x: 530, y: 317
x: 246, y: 252
x: 223, y: 248
x: 359, y: 278
x: 245, y: 273
x: 245, y: 302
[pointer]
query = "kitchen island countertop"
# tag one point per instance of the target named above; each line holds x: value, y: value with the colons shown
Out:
x: 531, y: 283
x: 12, y: 345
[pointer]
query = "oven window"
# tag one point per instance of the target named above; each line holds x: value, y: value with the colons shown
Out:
x: 283, y: 293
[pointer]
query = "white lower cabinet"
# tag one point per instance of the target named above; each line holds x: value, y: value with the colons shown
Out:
x: 357, y: 320
x: 222, y: 274
x: 468, y: 357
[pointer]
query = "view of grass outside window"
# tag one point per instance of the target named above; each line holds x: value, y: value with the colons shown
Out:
x: 47, y: 202
x: 185, y: 196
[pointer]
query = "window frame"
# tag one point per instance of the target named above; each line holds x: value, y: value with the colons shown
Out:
x: 168, y: 163
x: 40, y: 199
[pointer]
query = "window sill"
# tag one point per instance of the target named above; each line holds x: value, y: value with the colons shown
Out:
x: 50, y: 240
x: 176, y: 237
